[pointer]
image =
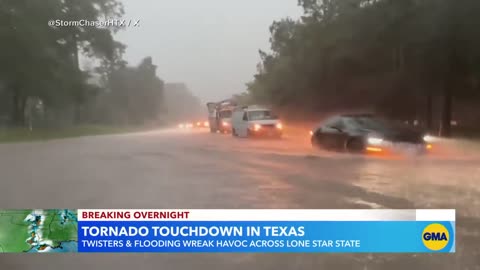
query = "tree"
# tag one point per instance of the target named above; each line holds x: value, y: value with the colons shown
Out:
x: 392, y: 56
x: 31, y: 59
x: 136, y: 94
x: 37, y: 60
x: 91, y: 41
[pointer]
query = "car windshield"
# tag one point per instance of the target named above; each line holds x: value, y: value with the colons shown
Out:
x: 260, y: 115
x: 225, y: 114
x: 368, y: 123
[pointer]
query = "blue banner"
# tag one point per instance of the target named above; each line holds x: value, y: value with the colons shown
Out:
x: 267, y: 236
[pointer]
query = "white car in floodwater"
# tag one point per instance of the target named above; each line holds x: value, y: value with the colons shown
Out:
x: 255, y: 121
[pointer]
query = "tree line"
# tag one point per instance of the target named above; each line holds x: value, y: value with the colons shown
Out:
x: 397, y: 57
x: 41, y: 75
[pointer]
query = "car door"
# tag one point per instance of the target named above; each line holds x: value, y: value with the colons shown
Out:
x: 244, y: 125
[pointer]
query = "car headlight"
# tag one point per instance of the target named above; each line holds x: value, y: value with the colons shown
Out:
x: 279, y: 125
x: 428, y: 138
x: 374, y: 141
x: 257, y: 127
x: 225, y: 124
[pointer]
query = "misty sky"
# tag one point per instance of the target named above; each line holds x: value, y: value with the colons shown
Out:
x: 211, y: 45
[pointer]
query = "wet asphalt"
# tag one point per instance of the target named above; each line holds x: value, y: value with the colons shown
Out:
x: 174, y: 168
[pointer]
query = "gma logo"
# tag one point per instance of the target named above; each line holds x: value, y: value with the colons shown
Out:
x: 435, y: 237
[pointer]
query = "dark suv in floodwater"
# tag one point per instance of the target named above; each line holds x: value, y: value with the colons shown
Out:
x: 365, y: 133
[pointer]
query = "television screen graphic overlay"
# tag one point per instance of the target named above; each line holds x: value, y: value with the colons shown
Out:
x: 227, y: 231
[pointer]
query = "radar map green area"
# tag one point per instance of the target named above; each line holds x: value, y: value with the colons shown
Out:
x: 53, y: 230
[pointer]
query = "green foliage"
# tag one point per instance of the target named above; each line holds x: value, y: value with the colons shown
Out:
x: 348, y: 54
x: 42, y: 61
x: 135, y: 95
x: 42, y: 134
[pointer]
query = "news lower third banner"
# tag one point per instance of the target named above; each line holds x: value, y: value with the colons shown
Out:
x: 227, y: 231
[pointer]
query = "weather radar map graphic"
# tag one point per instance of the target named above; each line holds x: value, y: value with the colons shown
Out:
x: 53, y: 230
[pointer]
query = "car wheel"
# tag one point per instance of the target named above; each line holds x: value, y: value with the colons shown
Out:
x: 354, y: 145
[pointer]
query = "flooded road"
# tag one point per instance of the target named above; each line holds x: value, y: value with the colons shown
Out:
x: 196, y: 169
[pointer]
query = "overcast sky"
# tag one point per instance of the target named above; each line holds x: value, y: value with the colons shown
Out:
x: 211, y: 45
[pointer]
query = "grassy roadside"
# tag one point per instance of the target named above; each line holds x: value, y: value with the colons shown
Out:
x: 25, y: 135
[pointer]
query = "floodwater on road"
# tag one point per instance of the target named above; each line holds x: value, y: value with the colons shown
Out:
x: 196, y: 169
